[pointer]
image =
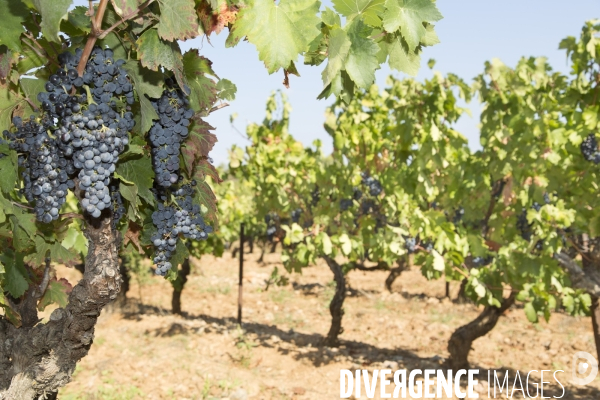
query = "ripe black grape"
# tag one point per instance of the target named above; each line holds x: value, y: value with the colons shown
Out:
x: 373, y: 184
x: 589, y: 149
x: 345, y: 204
x: 296, y: 215
x: 410, y: 243
x: 180, y: 217
x: 168, y: 133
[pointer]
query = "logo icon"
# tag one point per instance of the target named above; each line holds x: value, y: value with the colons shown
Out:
x: 584, y: 363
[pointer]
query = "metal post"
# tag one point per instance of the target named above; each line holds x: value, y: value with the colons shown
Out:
x: 241, y: 284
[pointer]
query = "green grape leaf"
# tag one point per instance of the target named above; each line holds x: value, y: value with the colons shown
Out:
x: 346, y: 243
x: 155, y: 52
x: 14, y: 13
x: 147, y: 84
x: 8, y: 101
x: 58, y: 253
x: 339, y: 47
x: 76, y: 240
x: 197, y: 70
x: 370, y: 10
x: 139, y: 172
x: 79, y: 19
x: 408, y: 16
x: 24, y: 230
x: 279, y: 31
x: 438, y: 261
x: 125, y: 7
x: 57, y: 292
x: 178, y: 20
x: 8, y: 169
x: 403, y: 59
x: 226, y: 90
x: 14, y: 273
x: 31, y: 88
x: 362, y: 58
x: 52, y: 13
x: 129, y: 193
x: 206, y: 197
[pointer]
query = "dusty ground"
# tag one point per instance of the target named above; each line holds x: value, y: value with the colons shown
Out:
x: 147, y: 353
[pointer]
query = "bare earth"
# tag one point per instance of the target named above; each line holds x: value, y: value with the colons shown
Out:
x: 145, y: 352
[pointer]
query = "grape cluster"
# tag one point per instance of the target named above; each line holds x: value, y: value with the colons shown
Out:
x: 272, y: 220
x: 458, y: 215
x: 345, y: 204
x: 168, y: 133
x: 315, y: 196
x: 296, y: 215
x: 356, y: 193
x: 589, y: 149
x: 373, y: 184
x: 181, y: 217
x: 45, y: 168
x: 524, y: 226
x: 98, y: 133
x: 410, y: 243
x: 482, y: 261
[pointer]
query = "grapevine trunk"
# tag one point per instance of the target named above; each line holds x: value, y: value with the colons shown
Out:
x: 336, y: 306
x: 462, y: 339
x: 37, y: 359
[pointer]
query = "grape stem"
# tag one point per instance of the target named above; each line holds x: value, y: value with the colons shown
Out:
x: 216, y: 108
x: 98, y: 33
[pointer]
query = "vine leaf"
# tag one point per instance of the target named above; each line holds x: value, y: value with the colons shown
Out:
x: 14, y: 273
x: 408, y: 16
x: 8, y: 101
x: 139, y: 172
x: 178, y: 20
x: 125, y: 7
x: 58, y: 253
x: 147, y: 84
x: 362, y: 57
x: 197, y: 71
x: 14, y: 13
x: 227, y: 89
x: 339, y: 47
x: 279, y: 31
x: 215, y: 20
x: 199, y: 143
x: 8, y: 169
x: 370, y: 10
x: 52, y: 13
x: 57, y: 292
x: 31, y: 87
x: 24, y: 230
x: 155, y: 52
x: 402, y: 58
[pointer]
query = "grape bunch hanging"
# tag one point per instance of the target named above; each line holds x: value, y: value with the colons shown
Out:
x: 75, y: 136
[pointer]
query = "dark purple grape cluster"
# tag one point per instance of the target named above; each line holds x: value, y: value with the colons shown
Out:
x: 410, y: 244
x: 296, y: 215
x: 180, y: 217
x: 98, y: 132
x: 345, y: 204
x: 168, y: 133
x: 87, y: 134
x: 372, y: 184
x: 45, y: 168
x: 589, y: 149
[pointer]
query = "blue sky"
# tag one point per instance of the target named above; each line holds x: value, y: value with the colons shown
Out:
x: 471, y: 32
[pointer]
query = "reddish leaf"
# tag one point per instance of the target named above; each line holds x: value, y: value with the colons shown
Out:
x: 199, y: 143
x: 216, y: 20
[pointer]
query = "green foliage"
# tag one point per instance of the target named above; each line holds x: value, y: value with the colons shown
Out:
x: 495, y: 217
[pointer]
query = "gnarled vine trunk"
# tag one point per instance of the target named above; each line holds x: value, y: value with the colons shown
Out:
x: 37, y: 359
x: 394, y: 274
x: 178, y: 286
x: 336, y: 306
x: 462, y: 339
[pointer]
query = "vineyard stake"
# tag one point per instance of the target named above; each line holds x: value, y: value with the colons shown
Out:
x: 241, y: 284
